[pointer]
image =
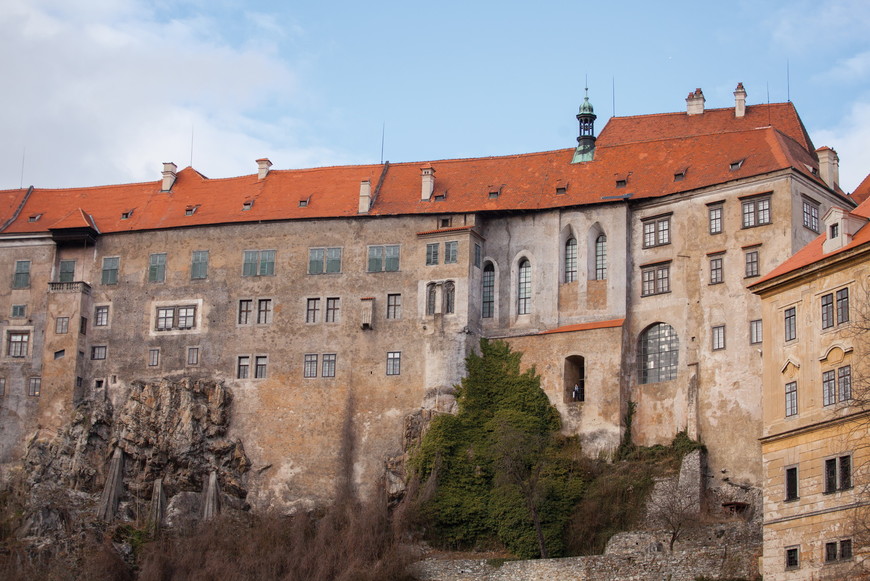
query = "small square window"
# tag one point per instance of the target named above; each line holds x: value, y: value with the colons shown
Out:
x: 792, y: 558
x: 98, y: 352
x: 493, y: 194
x: 247, y: 206
x: 59, y: 354
x: 19, y: 311
x: 303, y: 203
x: 735, y: 165
x: 445, y: 222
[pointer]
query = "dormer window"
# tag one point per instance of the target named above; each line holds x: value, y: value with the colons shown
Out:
x: 561, y: 190
x: 735, y: 165
x: 621, y: 183
x: 445, y: 222
x: 834, y: 231
x: 680, y: 175
x: 190, y: 210
x: 247, y: 205
x: 493, y: 194
x: 126, y: 215
x: 303, y: 203
x: 34, y: 218
x: 440, y: 197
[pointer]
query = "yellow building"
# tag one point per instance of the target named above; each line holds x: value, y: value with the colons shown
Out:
x: 815, y: 430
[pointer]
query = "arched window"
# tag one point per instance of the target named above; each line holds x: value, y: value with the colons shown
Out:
x: 657, y: 354
x: 524, y: 288
x: 488, y: 303
x: 430, y: 298
x: 571, y: 260
x: 449, y: 297
x: 601, y: 257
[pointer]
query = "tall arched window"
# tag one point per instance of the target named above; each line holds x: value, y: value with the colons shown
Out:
x: 571, y: 260
x: 601, y: 257
x: 488, y: 303
x: 449, y: 297
x: 430, y: 298
x: 524, y: 288
x: 657, y: 354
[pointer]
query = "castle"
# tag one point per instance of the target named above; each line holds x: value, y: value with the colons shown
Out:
x: 618, y: 267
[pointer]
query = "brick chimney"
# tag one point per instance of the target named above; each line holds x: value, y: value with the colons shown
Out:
x: 829, y: 166
x: 428, y: 183
x: 168, y: 176
x: 365, y: 196
x: 263, y: 166
x: 695, y: 103
x: 739, y: 101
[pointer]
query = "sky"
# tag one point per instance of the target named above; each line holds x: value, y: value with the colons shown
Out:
x: 104, y: 91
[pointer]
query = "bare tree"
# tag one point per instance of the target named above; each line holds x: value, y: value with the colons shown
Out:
x: 673, y: 507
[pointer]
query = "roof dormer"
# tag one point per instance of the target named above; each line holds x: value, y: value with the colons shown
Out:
x: 840, y: 227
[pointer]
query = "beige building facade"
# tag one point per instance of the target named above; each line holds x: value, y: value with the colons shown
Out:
x: 356, y: 292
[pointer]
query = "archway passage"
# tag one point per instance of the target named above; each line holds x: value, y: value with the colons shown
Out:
x: 575, y: 379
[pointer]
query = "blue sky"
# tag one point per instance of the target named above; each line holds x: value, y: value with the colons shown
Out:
x: 103, y: 91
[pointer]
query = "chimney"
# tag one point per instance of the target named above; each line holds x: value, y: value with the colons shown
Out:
x: 263, y: 166
x: 365, y: 196
x: 829, y: 166
x: 168, y: 176
x: 695, y: 103
x: 739, y: 101
x: 428, y: 183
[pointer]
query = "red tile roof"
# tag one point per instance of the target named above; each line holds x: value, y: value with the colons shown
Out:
x: 862, y: 192
x: 646, y: 151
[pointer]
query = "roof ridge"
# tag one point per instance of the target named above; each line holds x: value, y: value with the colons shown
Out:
x: 693, y: 136
x: 669, y: 113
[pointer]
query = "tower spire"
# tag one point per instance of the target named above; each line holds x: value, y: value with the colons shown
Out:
x: 586, y: 140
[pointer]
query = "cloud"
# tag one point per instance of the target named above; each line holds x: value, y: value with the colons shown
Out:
x: 854, y: 69
x: 850, y: 138
x: 104, y: 91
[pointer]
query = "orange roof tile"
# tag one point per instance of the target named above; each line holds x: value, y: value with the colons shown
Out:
x: 586, y: 326
x: 75, y: 219
x: 703, y: 145
x: 862, y: 192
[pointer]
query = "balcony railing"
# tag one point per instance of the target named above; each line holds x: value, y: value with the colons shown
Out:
x: 76, y: 286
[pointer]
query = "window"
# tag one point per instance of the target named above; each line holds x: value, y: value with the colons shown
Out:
x: 19, y: 311
x: 324, y: 260
x: 488, y: 302
x: 791, y: 324
x: 811, y: 215
x: 59, y: 354
x: 243, y: 367
x: 180, y: 318
x: 98, y: 352
x: 16, y: 343
x: 394, y: 306
x: 571, y: 260
x: 310, y: 366
x: 735, y: 165
x: 835, y: 231
x: 260, y: 364
x: 827, y: 311
x: 332, y: 309
x: 656, y: 232
x: 21, y: 279
x: 829, y: 388
x: 83, y: 325
x: 655, y: 279
x: 110, y: 270
x: 61, y: 325
x: 328, y: 369
x: 842, y: 306
x: 751, y: 261
x: 193, y: 356
x: 716, y: 269
x: 264, y: 311
x: 157, y: 268
x: 755, y: 332
x: 756, y: 212
x: 245, y: 307
x: 67, y: 271
x: 153, y: 357
x: 449, y: 297
x: 844, y: 383
x: 838, y: 474
x: 715, y: 215
x: 791, y: 404
x: 838, y: 551
x: 658, y: 354
x: 718, y: 337
x: 478, y: 255
x: 259, y: 263
x: 34, y: 386
x: 199, y: 264
x: 432, y: 254
x: 451, y: 252
x: 792, y: 558
x: 394, y: 363
x: 2, y: 386
x: 101, y: 316
x: 524, y: 288
x: 384, y: 258
x: 791, y: 483
x: 601, y: 257
x: 313, y: 307
x: 430, y: 298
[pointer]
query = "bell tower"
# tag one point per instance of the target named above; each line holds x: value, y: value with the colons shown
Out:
x: 586, y: 140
